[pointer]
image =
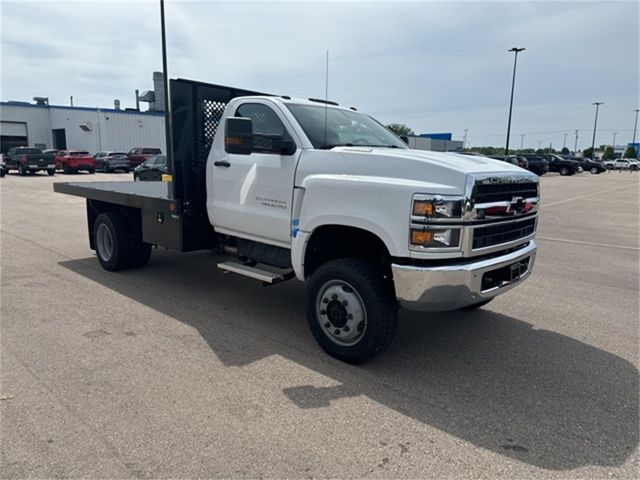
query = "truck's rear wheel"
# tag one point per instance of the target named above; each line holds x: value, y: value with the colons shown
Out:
x: 351, y: 310
x: 117, y: 245
x: 22, y: 170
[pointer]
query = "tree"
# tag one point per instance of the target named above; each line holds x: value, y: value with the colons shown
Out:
x: 630, y: 152
x: 588, y: 153
x: 400, y: 129
x: 608, y: 154
x: 565, y: 151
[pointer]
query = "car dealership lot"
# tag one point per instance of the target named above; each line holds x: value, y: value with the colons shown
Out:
x: 177, y: 370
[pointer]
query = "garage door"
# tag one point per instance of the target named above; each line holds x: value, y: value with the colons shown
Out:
x: 13, y: 129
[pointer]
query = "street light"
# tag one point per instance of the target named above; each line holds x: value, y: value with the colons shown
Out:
x: 595, y: 125
x: 615, y: 134
x: 513, y: 84
x: 635, y: 127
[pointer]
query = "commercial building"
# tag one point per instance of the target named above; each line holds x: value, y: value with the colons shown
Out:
x: 93, y: 129
x: 438, y: 142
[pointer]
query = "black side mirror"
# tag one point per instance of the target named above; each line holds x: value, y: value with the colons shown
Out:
x: 238, y: 135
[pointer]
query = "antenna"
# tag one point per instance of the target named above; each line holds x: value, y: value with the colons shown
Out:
x: 326, y: 97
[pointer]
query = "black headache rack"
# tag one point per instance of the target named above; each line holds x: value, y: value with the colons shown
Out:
x: 172, y: 214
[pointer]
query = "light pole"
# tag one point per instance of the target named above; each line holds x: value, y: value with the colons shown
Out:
x: 595, y: 125
x: 564, y: 145
x: 635, y: 127
x: 575, y: 146
x: 513, y: 84
x: 614, y: 140
x: 521, y: 140
x: 464, y: 140
x: 167, y: 109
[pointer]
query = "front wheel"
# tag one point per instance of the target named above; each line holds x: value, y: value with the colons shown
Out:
x: 351, y: 310
x: 51, y: 172
x: 564, y: 171
x: 92, y: 171
x: 594, y: 171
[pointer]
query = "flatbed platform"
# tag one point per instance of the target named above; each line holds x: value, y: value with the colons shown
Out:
x: 145, y: 195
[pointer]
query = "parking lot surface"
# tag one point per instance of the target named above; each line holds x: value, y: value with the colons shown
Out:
x: 177, y: 370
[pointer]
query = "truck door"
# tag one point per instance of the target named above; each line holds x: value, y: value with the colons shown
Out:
x: 252, y: 194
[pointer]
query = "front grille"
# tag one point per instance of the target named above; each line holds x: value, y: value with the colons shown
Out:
x: 499, y: 192
x: 497, y: 234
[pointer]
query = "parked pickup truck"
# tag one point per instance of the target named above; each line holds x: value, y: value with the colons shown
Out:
x: 558, y: 164
x: 29, y: 160
x: 139, y: 154
x: 621, y: 164
x: 284, y: 188
x: 72, y: 161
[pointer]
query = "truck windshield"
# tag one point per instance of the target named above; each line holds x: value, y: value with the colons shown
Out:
x: 343, y: 128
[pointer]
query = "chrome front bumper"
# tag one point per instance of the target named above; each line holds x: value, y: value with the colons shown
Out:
x: 445, y: 288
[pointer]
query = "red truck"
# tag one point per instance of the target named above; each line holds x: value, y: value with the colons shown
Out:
x: 72, y: 161
x: 138, y: 155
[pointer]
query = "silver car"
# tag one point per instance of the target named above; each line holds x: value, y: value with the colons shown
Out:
x: 110, y: 161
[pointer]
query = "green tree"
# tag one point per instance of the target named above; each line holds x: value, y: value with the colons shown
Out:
x: 608, y: 154
x: 630, y: 152
x: 565, y: 151
x: 400, y: 129
x: 588, y: 153
x: 540, y: 150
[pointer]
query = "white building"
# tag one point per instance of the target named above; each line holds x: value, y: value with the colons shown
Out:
x: 91, y: 129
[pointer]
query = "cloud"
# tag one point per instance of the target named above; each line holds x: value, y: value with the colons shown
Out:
x: 433, y: 65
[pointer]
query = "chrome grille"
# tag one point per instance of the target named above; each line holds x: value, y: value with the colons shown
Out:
x: 499, y: 233
x: 498, y: 192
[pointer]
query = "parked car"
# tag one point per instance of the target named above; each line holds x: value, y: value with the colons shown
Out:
x: 29, y: 160
x: 140, y: 154
x: 621, y: 164
x: 110, y: 161
x: 589, y: 165
x: 558, y: 164
x: 72, y: 161
x: 513, y: 159
x: 537, y: 165
x: 51, y: 151
x: 3, y: 168
x: 151, y: 169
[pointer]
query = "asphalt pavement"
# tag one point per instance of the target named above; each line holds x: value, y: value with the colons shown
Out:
x: 178, y: 370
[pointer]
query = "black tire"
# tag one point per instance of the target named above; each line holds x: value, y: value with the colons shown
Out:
x: 92, y: 171
x: 594, y: 170
x: 477, y: 305
x: 126, y: 249
x: 22, y: 171
x: 126, y: 170
x: 375, y: 298
x: 107, y: 169
x: 2, y: 172
x: 51, y: 172
x: 564, y: 171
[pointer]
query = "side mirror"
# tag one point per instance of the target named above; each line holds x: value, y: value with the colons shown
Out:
x: 238, y: 135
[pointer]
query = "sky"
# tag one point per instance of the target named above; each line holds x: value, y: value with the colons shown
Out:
x: 434, y: 66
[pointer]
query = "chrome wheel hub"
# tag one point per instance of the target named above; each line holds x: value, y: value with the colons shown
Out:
x: 104, y: 242
x: 341, y: 313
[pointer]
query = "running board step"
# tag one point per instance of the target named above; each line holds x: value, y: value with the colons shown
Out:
x: 265, y: 276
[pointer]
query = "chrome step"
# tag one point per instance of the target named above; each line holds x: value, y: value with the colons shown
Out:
x: 265, y: 276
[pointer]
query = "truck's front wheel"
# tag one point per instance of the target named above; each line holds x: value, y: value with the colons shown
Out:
x: 351, y: 310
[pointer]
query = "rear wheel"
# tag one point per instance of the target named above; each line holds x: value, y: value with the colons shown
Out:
x: 118, y: 247
x: 564, y: 171
x: 594, y: 170
x: 351, y: 310
x: 22, y: 170
x: 51, y: 172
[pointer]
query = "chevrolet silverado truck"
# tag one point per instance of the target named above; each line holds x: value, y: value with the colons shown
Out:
x: 287, y: 189
x: 29, y: 160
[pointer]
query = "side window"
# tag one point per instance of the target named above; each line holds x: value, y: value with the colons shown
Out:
x: 267, y: 127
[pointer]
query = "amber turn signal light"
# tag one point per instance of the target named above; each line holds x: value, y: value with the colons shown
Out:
x: 423, y: 209
x: 421, y: 237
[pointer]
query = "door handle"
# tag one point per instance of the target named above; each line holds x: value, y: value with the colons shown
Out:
x: 222, y: 163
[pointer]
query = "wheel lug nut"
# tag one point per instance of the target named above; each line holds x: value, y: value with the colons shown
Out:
x: 361, y: 326
x: 346, y: 328
x: 336, y: 331
x: 325, y: 300
x: 327, y: 325
x: 349, y: 316
x: 323, y: 312
x: 334, y: 296
x: 345, y: 303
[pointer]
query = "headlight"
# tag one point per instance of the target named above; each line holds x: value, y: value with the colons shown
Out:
x: 436, y: 207
x: 426, y: 237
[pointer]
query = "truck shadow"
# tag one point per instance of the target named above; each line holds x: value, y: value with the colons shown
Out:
x: 489, y: 379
